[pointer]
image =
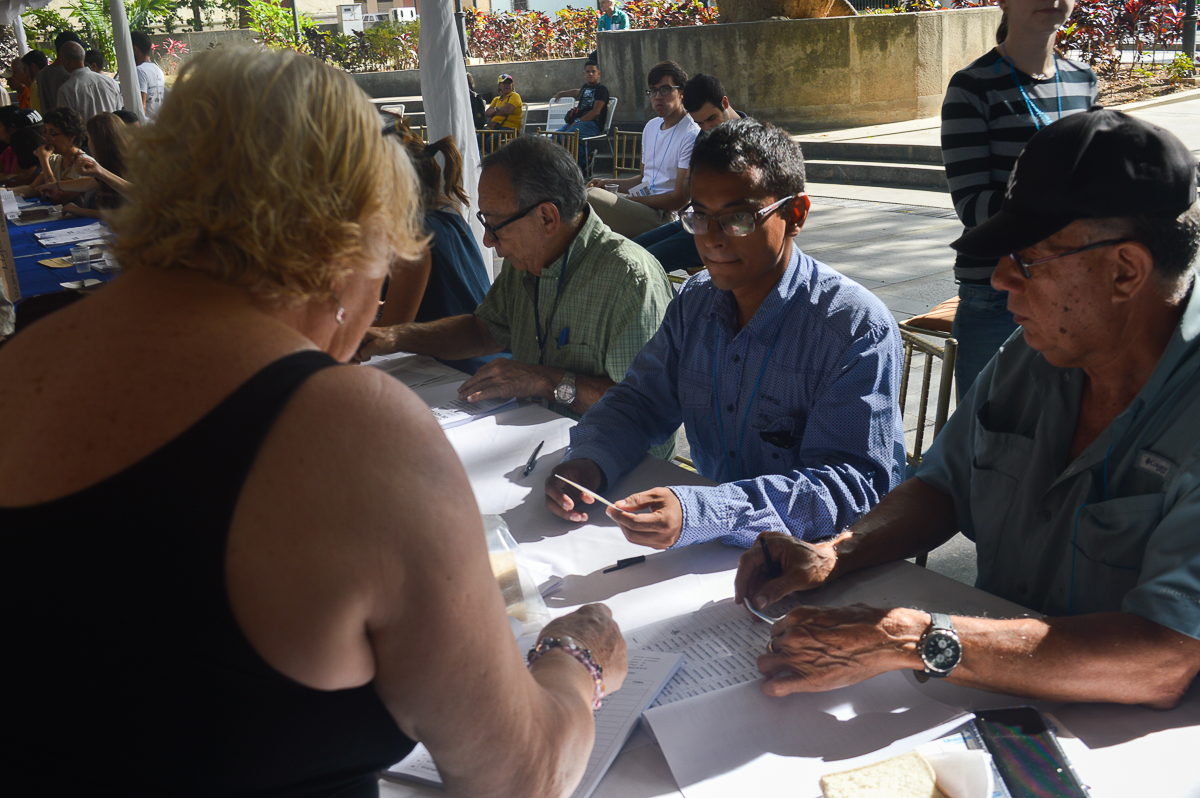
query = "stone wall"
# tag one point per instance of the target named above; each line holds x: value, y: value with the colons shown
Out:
x: 198, y: 41
x: 809, y: 74
x: 535, y: 81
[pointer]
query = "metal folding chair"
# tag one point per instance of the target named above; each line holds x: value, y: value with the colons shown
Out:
x: 627, y: 152
x: 556, y: 114
x: 591, y: 142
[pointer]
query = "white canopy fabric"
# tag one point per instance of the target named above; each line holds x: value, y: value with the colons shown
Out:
x: 446, y: 102
x: 11, y: 10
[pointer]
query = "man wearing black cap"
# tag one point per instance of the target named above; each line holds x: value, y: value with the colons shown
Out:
x: 1073, y: 462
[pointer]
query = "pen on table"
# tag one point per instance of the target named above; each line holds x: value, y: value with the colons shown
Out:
x: 532, y: 460
x: 626, y: 563
x: 774, y: 571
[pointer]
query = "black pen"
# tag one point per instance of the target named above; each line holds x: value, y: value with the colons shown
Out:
x: 532, y: 460
x: 626, y: 563
x: 774, y: 571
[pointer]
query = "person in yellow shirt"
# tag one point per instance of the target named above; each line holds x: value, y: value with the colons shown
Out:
x: 505, y: 108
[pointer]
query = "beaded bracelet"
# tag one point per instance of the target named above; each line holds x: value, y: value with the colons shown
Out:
x: 569, y: 646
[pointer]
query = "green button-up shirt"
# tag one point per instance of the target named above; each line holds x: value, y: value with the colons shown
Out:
x: 612, y: 301
x: 1115, y: 529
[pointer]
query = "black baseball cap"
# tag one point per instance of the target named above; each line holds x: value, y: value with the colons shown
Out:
x: 1092, y: 165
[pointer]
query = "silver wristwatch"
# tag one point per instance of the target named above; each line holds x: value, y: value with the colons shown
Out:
x: 940, y: 647
x: 564, y: 392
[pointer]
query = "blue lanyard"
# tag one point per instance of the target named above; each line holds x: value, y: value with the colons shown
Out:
x: 657, y: 148
x: 729, y: 472
x: 543, y: 338
x: 1039, y: 116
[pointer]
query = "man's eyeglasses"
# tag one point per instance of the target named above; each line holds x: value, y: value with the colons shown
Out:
x: 1024, y: 265
x: 494, y: 229
x: 734, y: 224
x: 661, y: 91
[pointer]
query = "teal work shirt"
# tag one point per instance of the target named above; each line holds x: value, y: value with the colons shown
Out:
x: 618, y: 20
x: 1115, y: 529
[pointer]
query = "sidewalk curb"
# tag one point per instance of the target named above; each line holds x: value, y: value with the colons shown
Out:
x: 1177, y: 97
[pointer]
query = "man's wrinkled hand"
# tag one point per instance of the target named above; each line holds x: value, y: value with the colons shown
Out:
x: 803, y: 566
x: 376, y: 341
x: 567, y: 502
x: 814, y: 649
x: 505, y: 379
x: 651, y: 518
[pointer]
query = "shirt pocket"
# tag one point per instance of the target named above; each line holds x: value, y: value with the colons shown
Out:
x: 695, y: 389
x: 583, y: 358
x: 1110, y: 543
x: 774, y: 426
x: 999, y: 461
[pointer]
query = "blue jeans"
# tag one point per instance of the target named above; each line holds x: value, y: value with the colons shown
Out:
x: 981, y: 325
x: 589, y: 128
x: 672, y: 246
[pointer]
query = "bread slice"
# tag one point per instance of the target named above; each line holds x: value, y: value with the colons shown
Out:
x: 905, y: 776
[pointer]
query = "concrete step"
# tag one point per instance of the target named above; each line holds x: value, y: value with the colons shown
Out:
x: 868, y: 173
x: 870, y: 151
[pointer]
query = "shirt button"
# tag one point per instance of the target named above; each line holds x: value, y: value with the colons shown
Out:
x: 732, y: 453
x: 729, y: 408
x: 1044, y: 516
x: 775, y: 455
x: 1023, y: 588
x: 737, y: 358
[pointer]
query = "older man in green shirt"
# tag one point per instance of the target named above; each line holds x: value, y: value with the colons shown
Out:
x: 574, y: 301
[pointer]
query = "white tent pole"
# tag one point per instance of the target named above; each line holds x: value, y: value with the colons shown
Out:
x: 19, y: 29
x: 446, y: 102
x: 125, y: 66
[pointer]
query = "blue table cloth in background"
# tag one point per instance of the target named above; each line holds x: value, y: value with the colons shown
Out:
x: 34, y: 278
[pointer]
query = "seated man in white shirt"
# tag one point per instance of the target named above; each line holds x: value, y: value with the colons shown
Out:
x: 667, y: 140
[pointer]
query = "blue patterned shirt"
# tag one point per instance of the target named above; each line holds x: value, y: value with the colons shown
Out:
x: 795, y: 413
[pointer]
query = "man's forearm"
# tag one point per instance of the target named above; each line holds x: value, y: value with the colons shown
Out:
x: 453, y: 338
x: 1113, y: 656
x: 588, y: 391
x: 670, y: 201
x: 912, y: 519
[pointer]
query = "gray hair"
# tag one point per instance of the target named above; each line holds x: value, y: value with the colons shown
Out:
x: 72, y: 51
x: 540, y: 170
x: 1173, y: 240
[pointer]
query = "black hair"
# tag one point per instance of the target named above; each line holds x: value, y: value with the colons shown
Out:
x: 541, y: 170
x: 742, y: 145
x: 128, y: 117
x: 700, y: 90
x: 24, y: 142
x: 94, y: 57
x: 592, y: 63
x: 64, y: 37
x: 8, y: 116
x: 667, y: 69
x: 68, y: 121
x: 141, y: 41
x: 35, y: 58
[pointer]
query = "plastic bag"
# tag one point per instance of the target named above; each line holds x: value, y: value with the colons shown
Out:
x: 522, y: 600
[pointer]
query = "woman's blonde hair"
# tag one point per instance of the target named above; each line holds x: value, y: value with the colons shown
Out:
x: 265, y: 170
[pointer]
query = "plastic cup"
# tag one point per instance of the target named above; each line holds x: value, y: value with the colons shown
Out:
x: 81, y: 257
x: 612, y: 188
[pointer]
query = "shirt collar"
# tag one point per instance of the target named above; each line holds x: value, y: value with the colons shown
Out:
x: 762, y: 325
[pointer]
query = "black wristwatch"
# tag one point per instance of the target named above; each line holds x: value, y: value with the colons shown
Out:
x: 940, y: 647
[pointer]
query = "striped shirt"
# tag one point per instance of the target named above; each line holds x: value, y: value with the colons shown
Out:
x: 985, y: 124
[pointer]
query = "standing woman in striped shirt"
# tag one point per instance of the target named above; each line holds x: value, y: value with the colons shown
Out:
x: 992, y: 107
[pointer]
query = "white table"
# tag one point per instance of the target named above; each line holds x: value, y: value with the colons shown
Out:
x: 1119, y: 751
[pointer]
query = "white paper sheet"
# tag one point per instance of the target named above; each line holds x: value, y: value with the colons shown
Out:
x: 615, y: 721
x: 737, y: 741
x: 54, y: 238
x: 459, y: 411
x: 720, y: 645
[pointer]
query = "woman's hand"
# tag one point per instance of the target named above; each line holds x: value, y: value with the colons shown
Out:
x: 44, y: 152
x: 89, y: 167
x: 71, y: 209
x: 592, y: 626
x: 50, y: 191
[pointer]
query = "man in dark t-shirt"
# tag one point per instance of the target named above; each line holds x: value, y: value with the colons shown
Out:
x: 588, y: 115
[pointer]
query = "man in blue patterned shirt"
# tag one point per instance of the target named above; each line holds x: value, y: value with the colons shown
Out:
x: 783, y: 372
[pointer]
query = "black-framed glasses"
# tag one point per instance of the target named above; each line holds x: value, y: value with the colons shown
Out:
x: 496, y: 228
x: 734, y: 224
x: 1024, y: 265
x: 661, y: 91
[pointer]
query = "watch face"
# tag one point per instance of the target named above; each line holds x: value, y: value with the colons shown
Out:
x: 941, y: 651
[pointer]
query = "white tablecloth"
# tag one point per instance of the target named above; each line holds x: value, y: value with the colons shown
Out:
x: 1118, y: 751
